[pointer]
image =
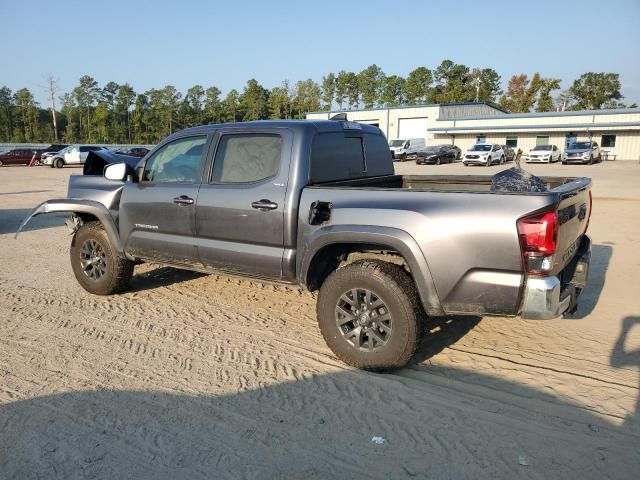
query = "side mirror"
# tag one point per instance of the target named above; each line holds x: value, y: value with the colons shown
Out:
x: 116, y: 171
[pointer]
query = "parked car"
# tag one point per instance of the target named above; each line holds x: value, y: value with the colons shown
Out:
x: 402, y: 147
x: 248, y: 199
x: 18, y: 156
x: 582, y: 152
x: 133, y: 151
x: 53, y: 148
x: 436, y: 154
x: 46, y: 156
x: 72, y: 155
x: 484, y: 154
x: 543, y: 154
x: 509, y: 153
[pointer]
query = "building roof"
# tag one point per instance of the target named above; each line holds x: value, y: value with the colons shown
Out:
x: 489, y: 104
x: 566, y: 113
x: 557, y: 126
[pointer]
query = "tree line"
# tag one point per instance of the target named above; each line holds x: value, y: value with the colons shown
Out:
x: 116, y: 113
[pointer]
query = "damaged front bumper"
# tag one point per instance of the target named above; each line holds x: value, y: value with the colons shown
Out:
x: 550, y: 297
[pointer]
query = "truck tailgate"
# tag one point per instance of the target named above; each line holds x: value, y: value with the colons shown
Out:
x: 574, y: 210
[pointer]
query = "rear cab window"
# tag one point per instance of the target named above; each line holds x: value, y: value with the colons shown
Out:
x: 349, y: 155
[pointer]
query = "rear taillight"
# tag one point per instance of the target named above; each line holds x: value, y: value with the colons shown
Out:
x: 538, y: 235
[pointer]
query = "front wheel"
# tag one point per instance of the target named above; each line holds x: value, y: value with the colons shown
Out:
x: 59, y: 163
x: 95, y: 264
x: 368, y: 313
x: 502, y: 160
x: 438, y: 161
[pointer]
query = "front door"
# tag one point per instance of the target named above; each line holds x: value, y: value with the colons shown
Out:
x: 157, y: 214
x: 240, y: 211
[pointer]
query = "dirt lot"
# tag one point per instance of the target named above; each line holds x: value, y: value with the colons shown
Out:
x: 192, y: 376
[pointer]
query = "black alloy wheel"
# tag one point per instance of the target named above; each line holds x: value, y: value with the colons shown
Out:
x: 363, y: 319
x: 93, y: 259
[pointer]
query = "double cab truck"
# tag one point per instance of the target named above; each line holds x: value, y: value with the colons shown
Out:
x: 317, y: 203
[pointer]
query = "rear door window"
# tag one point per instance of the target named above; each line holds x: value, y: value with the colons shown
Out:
x: 247, y: 158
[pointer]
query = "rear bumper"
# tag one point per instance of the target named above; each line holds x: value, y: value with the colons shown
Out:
x: 548, y: 297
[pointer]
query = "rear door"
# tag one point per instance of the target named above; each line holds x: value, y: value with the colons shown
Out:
x: 157, y: 214
x: 73, y: 155
x: 240, y: 211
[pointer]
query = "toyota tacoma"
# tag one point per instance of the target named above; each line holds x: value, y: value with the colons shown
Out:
x: 317, y: 203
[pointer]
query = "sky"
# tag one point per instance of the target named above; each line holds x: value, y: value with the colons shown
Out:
x: 150, y: 44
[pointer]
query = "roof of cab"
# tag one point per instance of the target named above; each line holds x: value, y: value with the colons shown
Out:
x: 320, y: 126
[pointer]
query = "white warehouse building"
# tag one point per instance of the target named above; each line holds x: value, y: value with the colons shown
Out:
x: 464, y: 124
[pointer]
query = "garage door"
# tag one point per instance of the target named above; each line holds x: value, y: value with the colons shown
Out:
x: 412, y: 127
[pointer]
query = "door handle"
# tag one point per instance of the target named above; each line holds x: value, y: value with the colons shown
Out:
x: 183, y: 200
x: 264, y: 205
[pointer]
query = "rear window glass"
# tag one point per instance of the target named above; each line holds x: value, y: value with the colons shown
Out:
x: 339, y: 156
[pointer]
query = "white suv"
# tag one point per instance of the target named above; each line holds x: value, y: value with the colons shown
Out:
x: 484, y: 154
x: 72, y: 155
x: 544, y: 154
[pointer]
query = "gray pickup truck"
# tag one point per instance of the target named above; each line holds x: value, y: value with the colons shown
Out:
x: 317, y: 203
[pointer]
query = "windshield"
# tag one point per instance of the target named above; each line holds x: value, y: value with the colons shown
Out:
x: 396, y: 143
x: 66, y: 149
x: 578, y: 145
x: 542, y: 147
x: 430, y: 149
x: 481, y: 148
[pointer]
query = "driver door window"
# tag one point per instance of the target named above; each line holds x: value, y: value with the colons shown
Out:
x: 176, y: 162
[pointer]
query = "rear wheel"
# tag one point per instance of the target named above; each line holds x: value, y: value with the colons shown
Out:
x: 368, y: 313
x: 95, y: 264
x: 59, y: 163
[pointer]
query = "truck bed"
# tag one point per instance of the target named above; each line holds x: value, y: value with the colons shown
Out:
x: 447, y: 183
x: 466, y: 232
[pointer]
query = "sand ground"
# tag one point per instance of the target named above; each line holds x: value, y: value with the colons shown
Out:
x: 195, y: 376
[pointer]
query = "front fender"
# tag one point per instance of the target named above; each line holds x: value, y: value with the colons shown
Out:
x: 90, y: 207
x: 392, y: 238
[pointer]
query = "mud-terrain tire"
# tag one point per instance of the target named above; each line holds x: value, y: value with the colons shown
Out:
x: 382, y: 344
x: 95, y: 264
